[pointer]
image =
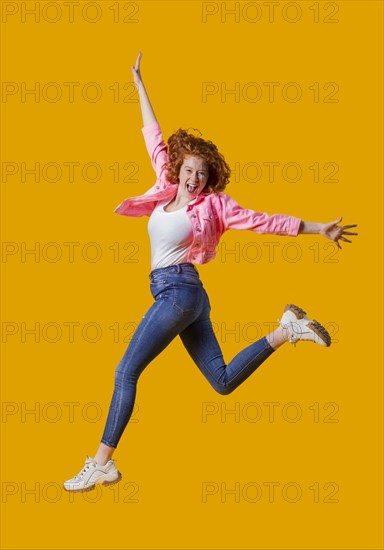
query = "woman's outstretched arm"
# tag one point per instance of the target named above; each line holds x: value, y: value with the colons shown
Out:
x: 146, y: 107
x: 328, y: 230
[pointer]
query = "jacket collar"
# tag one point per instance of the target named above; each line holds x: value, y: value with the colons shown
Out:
x: 200, y: 197
x: 171, y: 192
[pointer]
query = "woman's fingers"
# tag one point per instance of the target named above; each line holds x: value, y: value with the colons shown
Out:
x: 136, y: 70
x: 336, y: 233
x: 137, y: 66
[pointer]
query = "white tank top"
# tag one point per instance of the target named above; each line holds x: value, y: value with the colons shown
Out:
x: 170, y: 235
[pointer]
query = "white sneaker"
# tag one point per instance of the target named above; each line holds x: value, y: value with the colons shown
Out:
x: 299, y: 327
x: 93, y: 474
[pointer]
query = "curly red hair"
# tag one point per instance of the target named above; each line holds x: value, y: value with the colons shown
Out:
x: 181, y: 144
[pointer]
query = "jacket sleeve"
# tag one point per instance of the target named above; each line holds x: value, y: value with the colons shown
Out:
x: 156, y: 147
x: 236, y: 217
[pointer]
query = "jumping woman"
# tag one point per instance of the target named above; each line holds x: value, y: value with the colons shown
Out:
x: 188, y: 213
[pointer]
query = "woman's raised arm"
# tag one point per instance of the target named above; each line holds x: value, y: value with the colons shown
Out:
x: 146, y: 107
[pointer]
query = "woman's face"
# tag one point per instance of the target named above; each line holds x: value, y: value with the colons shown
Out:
x: 193, y: 177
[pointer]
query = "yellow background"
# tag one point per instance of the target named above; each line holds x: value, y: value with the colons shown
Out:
x: 168, y: 453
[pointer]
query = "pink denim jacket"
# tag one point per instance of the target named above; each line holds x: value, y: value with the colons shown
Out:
x: 211, y: 214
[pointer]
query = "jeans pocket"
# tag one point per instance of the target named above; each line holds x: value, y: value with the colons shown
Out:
x: 157, y: 287
x: 186, y: 297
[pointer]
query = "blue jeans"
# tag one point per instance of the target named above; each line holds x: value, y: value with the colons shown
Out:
x: 181, y: 308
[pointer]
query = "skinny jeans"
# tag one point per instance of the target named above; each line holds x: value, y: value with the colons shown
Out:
x: 181, y: 308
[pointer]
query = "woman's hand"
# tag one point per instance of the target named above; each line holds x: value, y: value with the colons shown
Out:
x: 136, y: 72
x: 336, y: 232
x: 146, y: 107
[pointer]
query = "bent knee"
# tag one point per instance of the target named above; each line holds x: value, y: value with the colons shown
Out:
x: 125, y: 374
x: 224, y: 390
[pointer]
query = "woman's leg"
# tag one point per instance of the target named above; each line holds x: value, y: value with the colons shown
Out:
x: 275, y: 340
x: 156, y: 330
x: 201, y: 343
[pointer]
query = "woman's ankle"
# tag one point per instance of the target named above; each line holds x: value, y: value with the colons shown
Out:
x: 104, y: 453
x: 277, y: 338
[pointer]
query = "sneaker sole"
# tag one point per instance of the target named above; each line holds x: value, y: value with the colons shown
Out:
x: 300, y: 313
x: 108, y: 483
x: 321, y: 332
x: 92, y: 487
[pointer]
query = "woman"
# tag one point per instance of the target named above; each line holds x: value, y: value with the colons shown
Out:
x: 188, y: 212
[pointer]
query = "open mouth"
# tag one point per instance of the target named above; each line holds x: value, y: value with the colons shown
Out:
x: 191, y: 188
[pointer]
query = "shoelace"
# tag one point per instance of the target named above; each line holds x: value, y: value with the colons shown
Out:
x: 78, y: 476
x: 294, y: 337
